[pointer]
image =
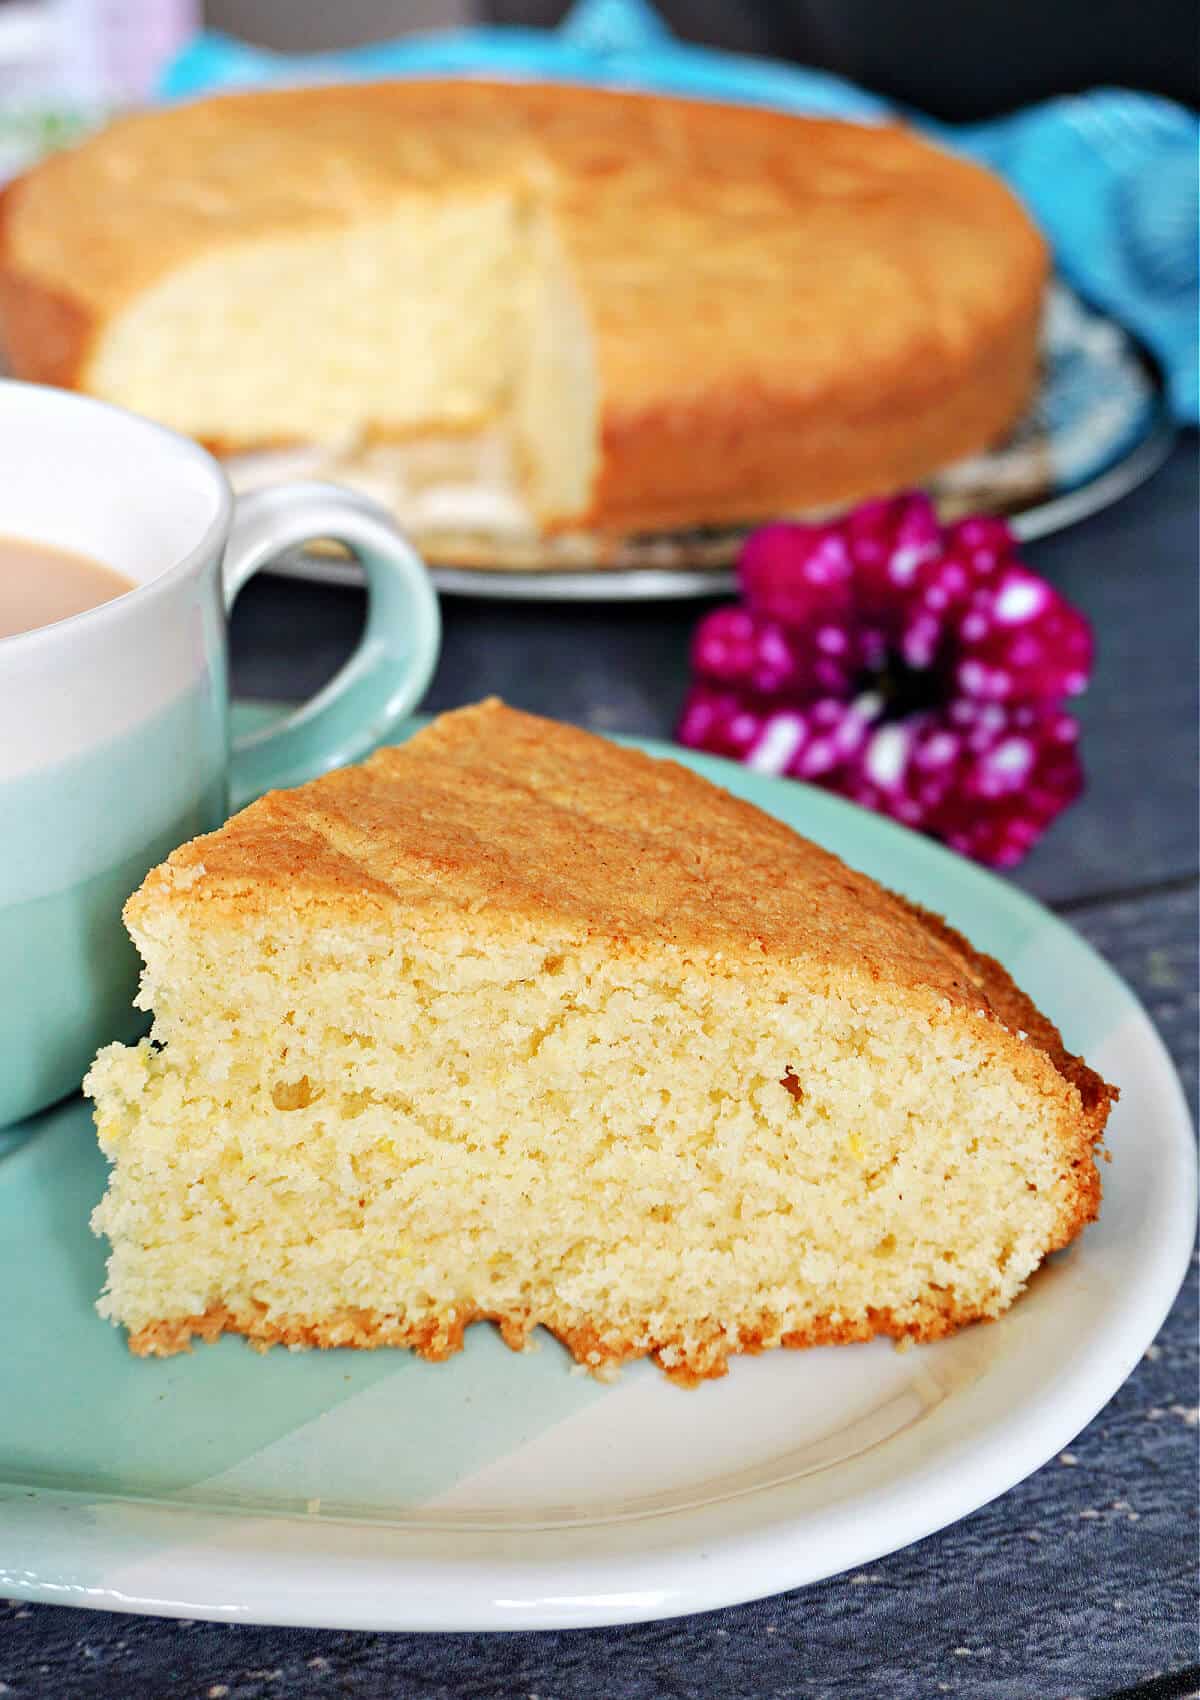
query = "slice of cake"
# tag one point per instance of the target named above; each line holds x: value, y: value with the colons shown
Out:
x: 512, y: 1023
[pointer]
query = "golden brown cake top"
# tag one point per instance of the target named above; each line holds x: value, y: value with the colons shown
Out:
x: 699, y: 233
x: 492, y: 817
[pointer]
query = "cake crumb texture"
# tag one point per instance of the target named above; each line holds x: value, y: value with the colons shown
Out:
x: 510, y: 1023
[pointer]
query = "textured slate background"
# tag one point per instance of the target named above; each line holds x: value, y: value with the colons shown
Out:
x: 1079, y: 1583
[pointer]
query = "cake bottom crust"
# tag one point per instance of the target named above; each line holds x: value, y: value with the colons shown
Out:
x: 701, y: 1355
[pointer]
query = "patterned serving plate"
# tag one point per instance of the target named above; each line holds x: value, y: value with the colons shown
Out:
x: 1098, y: 428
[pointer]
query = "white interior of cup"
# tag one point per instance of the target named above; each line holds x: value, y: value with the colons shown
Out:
x: 82, y: 476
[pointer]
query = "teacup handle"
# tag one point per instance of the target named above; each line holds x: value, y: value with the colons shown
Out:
x: 388, y: 673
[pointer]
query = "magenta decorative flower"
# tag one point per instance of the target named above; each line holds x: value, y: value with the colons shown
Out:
x: 914, y: 667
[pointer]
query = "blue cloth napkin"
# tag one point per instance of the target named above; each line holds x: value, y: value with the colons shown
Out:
x: 1112, y: 177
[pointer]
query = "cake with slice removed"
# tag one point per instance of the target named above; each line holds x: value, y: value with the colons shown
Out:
x: 512, y: 1023
x: 531, y: 314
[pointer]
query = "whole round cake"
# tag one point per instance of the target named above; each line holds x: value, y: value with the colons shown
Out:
x: 532, y: 311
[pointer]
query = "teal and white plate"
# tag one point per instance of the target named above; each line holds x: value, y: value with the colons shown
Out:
x: 373, y: 1490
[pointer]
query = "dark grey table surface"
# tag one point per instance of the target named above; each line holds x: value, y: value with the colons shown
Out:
x: 1080, y: 1582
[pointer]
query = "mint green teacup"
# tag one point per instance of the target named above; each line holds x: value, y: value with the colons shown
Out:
x: 114, y: 724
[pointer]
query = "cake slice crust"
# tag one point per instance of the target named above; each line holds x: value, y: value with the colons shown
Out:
x: 511, y: 1023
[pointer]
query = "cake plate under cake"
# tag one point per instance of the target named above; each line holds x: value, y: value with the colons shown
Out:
x: 499, y: 1491
x: 1098, y: 428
